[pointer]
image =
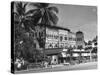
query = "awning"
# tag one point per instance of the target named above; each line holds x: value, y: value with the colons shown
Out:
x: 53, y: 51
x: 65, y: 50
x: 75, y: 54
x: 85, y: 54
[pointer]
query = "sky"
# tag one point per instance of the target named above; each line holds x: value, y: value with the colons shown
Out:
x: 78, y: 17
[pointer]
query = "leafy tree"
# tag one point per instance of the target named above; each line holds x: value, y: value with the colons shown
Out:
x: 94, y: 50
x: 85, y: 43
x: 95, y: 41
x: 89, y: 42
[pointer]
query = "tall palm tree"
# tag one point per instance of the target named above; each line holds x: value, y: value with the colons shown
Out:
x: 22, y: 16
x: 23, y: 25
x: 45, y: 14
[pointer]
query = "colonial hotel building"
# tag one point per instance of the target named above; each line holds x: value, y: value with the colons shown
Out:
x: 57, y: 37
x: 58, y: 40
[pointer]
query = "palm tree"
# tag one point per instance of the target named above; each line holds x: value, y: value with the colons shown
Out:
x: 23, y: 17
x: 23, y: 27
x: 45, y: 14
x: 26, y: 20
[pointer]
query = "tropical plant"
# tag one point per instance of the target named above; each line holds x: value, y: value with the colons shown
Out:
x: 23, y: 30
x: 45, y: 14
x: 25, y: 23
x: 22, y: 16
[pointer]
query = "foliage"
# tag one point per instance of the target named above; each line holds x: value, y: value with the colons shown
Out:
x: 45, y: 14
x: 89, y: 42
x: 94, y: 50
x: 79, y: 47
x: 23, y: 39
x: 26, y: 42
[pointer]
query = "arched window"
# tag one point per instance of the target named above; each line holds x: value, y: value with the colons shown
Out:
x: 56, y: 46
x: 61, y: 38
x: 50, y: 46
x: 70, y: 38
x: 65, y: 38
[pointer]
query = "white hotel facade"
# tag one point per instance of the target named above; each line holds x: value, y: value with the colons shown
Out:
x: 57, y: 37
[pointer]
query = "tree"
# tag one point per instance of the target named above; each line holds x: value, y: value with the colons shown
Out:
x: 23, y: 31
x: 21, y: 19
x: 25, y: 22
x: 85, y: 43
x: 44, y: 14
x: 89, y: 42
x: 95, y: 41
x: 80, y: 57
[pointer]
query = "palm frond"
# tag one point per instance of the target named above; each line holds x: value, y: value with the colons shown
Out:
x: 40, y: 5
x: 33, y: 11
x: 21, y: 8
x: 53, y: 18
x: 47, y: 17
x: 15, y: 14
x: 36, y: 16
x: 19, y: 5
x: 25, y: 5
x: 55, y: 9
x: 35, y: 5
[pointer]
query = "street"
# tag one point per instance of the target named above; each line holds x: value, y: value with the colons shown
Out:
x: 82, y: 66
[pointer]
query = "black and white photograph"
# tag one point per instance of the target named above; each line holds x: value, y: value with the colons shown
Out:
x: 51, y: 37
